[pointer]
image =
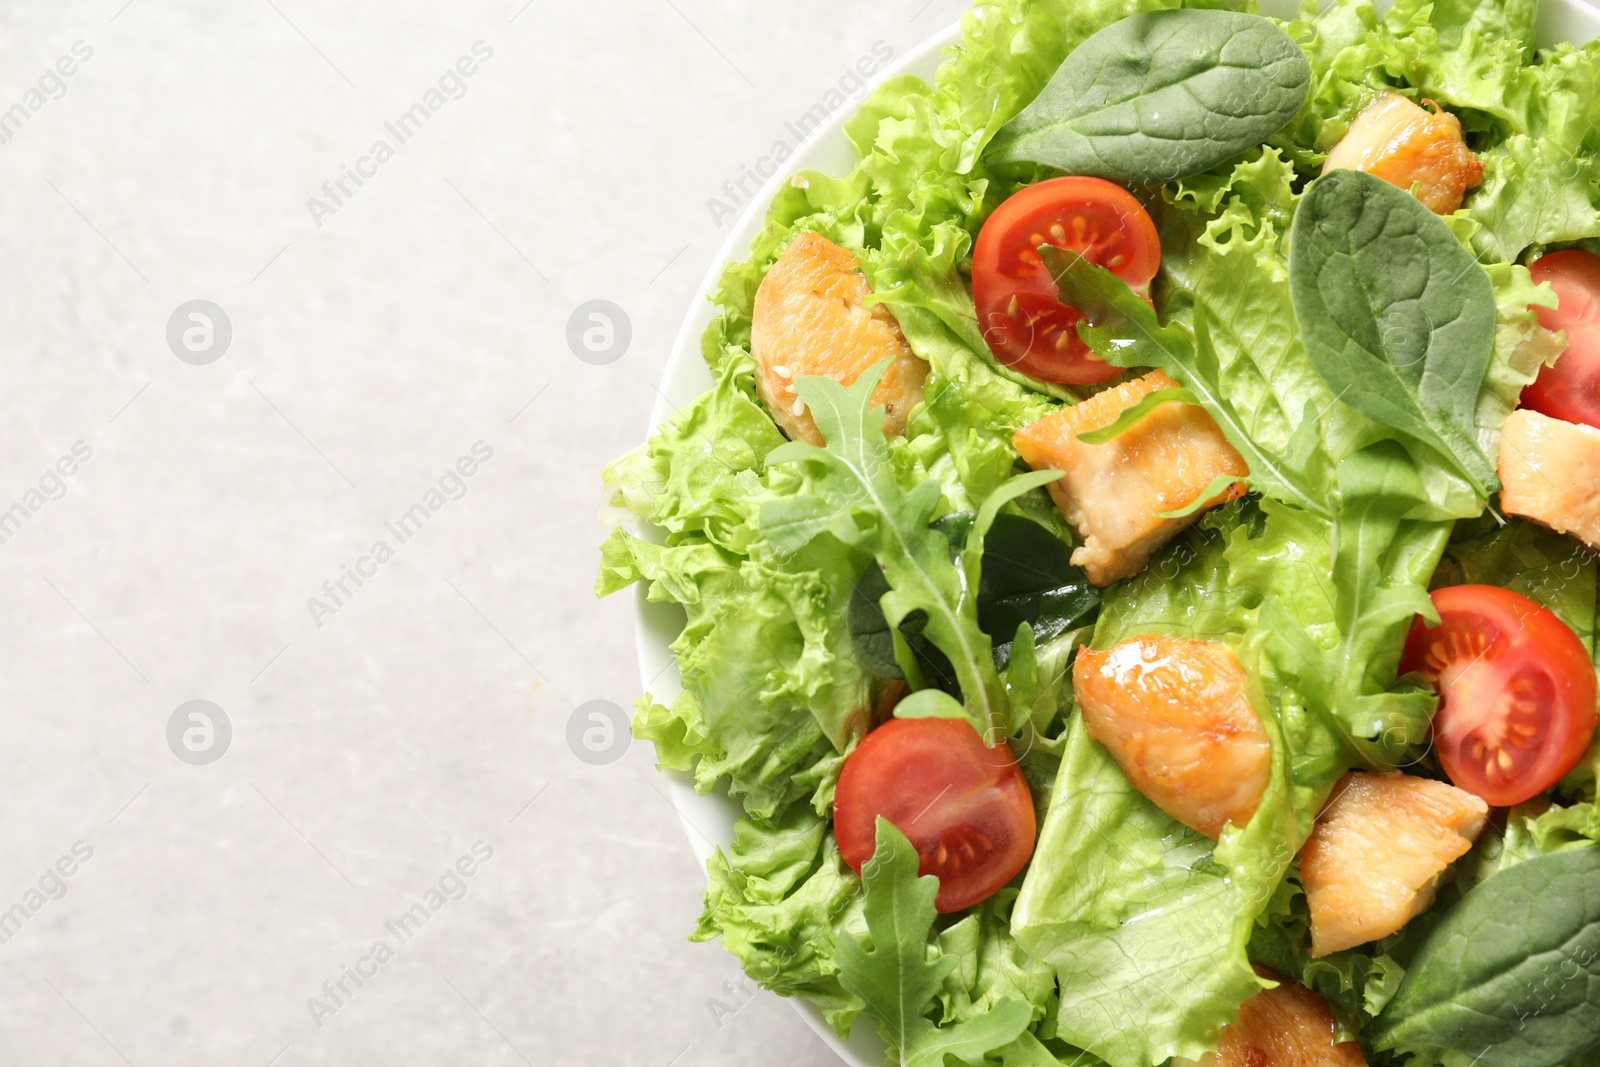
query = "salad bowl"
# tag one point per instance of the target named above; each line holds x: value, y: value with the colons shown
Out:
x: 708, y: 820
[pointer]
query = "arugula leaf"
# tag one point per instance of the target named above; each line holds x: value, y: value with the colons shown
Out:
x: 1512, y: 974
x: 1161, y: 95
x: 1213, y: 489
x: 1028, y: 578
x: 1130, y: 416
x: 897, y: 978
x: 1123, y: 330
x: 852, y: 491
x: 1396, y: 315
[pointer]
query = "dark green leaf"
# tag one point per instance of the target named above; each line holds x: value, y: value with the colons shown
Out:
x: 1027, y: 577
x: 1397, y: 316
x: 1161, y: 95
x: 1512, y: 974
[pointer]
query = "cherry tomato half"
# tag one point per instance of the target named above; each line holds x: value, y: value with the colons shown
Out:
x: 1569, y: 389
x: 1516, y: 688
x: 964, y: 807
x: 1026, y: 326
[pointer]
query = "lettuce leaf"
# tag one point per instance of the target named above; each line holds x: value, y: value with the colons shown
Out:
x: 765, y: 653
x: 694, y: 474
x: 1529, y: 114
x: 1146, y: 921
x: 779, y: 898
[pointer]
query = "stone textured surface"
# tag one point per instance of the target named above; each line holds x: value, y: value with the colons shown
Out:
x: 373, y: 745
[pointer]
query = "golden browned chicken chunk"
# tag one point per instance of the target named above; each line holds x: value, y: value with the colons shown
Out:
x: 1551, y: 473
x: 810, y: 317
x: 1289, y: 1026
x: 1114, y: 493
x: 1404, y: 144
x: 1381, y: 847
x: 1174, y: 715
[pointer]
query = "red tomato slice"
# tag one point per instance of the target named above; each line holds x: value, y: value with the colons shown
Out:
x: 1516, y: 688
x: 1026, y: 326
x: 964, y: 807
x: 1570, y: 388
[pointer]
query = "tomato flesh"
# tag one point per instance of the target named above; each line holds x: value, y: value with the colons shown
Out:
x: 1025, y: 324
x: 1516, y: 691
x: 1569, y: 389
x: 964, y: 806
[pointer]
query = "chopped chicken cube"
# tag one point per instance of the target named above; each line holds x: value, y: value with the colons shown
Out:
x: 1114, y: 493
x: 1551, y: 473
x: 810, y: 317
x: 1381, y: 848
x: 1174, y: 715
x: 1290, y: 1026
x: 1404, y: 144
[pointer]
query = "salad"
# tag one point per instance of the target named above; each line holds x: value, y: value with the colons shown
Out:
x: 1138, y: 556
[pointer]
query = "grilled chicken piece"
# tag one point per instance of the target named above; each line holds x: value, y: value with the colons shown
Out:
x: 1289, y: 1026
x: 1174, y: 715
x: 1114, y: 492
x: 810, y: 318
x: 1402, y: 143
x: 1381, y: 847
x: 1551, y: 473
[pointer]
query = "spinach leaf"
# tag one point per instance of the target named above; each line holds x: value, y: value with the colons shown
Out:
x: 1397, y: 316
x: 1123, y: 330
x: 1512, y: 974
x: 898, y: 977
x: 1161, y: 95
x: 1027, y: 576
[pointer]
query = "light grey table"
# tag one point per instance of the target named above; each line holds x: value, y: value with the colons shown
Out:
x: 179, y: 520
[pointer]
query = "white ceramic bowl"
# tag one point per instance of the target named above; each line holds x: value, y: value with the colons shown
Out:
x: 708, y: 820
